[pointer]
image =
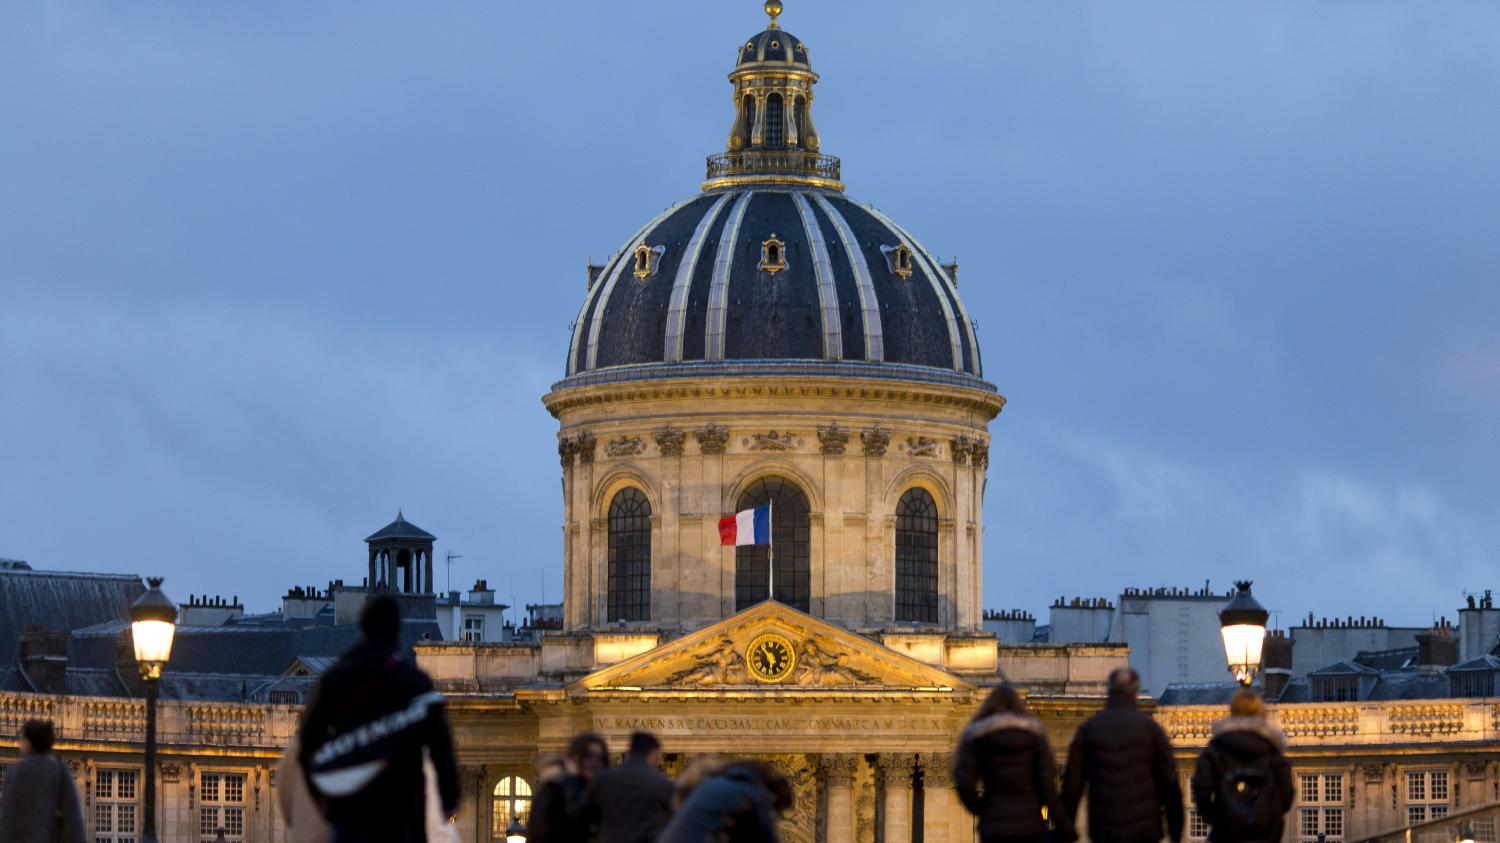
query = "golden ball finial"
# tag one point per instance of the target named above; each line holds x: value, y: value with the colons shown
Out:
x: 773, y: 8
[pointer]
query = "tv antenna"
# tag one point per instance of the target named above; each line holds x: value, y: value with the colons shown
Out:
x: 449, y: 559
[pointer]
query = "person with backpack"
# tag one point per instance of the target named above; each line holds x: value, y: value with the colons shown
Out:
x: 40, y: 804
x: 1124, y: 760
x: 1242, y: 782
x: 1006, y: 776
x: 630, y: 803
x: 372, y: 719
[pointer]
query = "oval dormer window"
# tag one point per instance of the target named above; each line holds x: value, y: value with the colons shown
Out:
x: 772, y: 255
x: 647, y: 259
x: 898, y: 259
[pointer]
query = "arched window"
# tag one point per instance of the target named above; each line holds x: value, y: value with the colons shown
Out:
x: 775, y: 136
x: 512, y: 801
x: 629, y: 556
x: 791, y: 541
x: 917, y: 557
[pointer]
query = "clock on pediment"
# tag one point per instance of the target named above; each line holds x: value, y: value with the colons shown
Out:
x: 770, y: 658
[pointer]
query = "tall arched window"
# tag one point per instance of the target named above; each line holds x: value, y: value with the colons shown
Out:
x: 512, y: 801
x: 629, y: 556
x: 775, y: 136
x: 791, y: 541
x: 917, y: 557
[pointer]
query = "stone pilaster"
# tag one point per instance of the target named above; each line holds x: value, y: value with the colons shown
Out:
x: 895, y: 777
x: 838, y: 776
x: 937, y: 796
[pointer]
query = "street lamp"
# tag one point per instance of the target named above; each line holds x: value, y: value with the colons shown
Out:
x: 516, y: 833
x: 1242, y: 623
x: 1466, y: 833
x: 153, y: 620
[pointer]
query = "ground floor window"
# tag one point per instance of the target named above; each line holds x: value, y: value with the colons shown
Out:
x: 115, y: 805
x: 1426, y: 795
x: 1321, y: 797
x: 512, y: 801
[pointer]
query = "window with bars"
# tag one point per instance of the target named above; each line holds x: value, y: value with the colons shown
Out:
x: 1426, y: 795
x: 1335, y: 688
x: 473, y: 628
x: 790, y: 550
x: 512, y: 801
x: 629, y: 590
x: 221, y: 804
x: 115, y: 805
x: 775, y: 130
x: 1197, y: 824
x: 1475, y: 683
x: 917, y: 557
x: 1321, y: 800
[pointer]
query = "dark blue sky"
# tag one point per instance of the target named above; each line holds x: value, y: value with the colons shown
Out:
x: 270, y: 271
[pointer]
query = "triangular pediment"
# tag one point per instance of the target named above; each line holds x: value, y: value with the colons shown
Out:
x: 748, y: 651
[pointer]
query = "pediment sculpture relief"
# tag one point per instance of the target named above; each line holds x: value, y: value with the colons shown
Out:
x: 819, y: 668
x: 723, y: 665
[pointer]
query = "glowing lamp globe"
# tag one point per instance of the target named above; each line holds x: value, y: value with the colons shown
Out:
x: 515, y: 833
x: 153, y: 620
x: 1242, y: 623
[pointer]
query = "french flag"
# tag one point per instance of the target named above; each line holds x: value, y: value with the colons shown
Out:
x: 753, y: 526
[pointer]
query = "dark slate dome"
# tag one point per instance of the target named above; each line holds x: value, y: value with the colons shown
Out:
x: 768, y: 274
x: 774, y: 45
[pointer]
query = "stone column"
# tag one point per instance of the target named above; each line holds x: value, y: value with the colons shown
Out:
x: 895, y: 773
x: 937, y: 795
x: 838, y: 774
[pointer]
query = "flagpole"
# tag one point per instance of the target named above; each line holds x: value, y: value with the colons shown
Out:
x: 771, y: 548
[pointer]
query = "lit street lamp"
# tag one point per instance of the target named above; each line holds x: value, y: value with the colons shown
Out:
x: 153, y: 620
x: 1242, y: 623
x: 1466, y: 833
x: 516, y: 833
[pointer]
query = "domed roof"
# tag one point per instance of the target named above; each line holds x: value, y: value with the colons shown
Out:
x: 767, y: 274
x: 774, y: 45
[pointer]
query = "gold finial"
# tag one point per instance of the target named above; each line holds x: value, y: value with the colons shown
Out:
x: 773, y: 8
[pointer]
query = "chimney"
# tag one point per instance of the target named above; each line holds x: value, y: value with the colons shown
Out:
x: 1437, y: 648
x: 1276, y: 663
x: 44, y: 657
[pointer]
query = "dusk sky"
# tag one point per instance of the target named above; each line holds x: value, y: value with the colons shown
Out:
x: 271, y: 271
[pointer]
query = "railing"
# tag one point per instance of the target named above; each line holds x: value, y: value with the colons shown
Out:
x: 1474, y: 824
x: 773, y: 162
x: 179, y: 723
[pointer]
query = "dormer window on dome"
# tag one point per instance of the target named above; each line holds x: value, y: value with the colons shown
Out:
x: 647, y: 258
x: 772, y: 255
x: 898, y: 258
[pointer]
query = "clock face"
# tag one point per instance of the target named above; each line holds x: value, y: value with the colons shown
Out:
x: 770, y: 657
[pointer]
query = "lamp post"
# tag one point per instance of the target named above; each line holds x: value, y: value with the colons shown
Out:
x: 153, y: 620
x: 1242, y: 623
x: 1466, y: 833
x: 516, y: 833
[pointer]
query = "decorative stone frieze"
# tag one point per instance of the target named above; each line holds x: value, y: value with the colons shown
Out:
x: 771, y: 441
x: 833, y: 438
x: 960, y: 445
x: 711, y: 439
x: 875, y: 440
x: 669, y: 441
x: 937, y: 770
x: 624, y: 446
x: 921, y: 446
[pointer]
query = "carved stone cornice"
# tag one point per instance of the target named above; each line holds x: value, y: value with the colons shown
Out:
x: 771, y: 441
x: 711, y: 439
x: 833, y: 438
x: 937, y: 770
x: 875, y: 440
x: 921, y: 446
x: 669, y: 441
x: 624, y: 446
x: 583, y: 446
x: 895, y: 768
x: 838, y: 769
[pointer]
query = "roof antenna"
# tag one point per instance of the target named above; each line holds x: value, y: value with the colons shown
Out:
x: 449, y: 558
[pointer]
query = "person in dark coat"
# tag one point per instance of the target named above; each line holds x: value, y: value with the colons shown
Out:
x: 557, y: 811
x: 1243, y: 783
x: 740, y: 803
x: 363, y: 736
x: 1124, y: 760
x: 40, y: 804
x: 630, y: 803
x: 1006, y: 775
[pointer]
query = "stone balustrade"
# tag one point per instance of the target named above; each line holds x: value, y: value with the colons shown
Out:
x: 1350, y: 723
x: 179, y: 723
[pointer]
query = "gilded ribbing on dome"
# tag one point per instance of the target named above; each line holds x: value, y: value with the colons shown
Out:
x: 869, y: 308
x: 828, y: 308
x: 718, y: 291
x: 677, y: 309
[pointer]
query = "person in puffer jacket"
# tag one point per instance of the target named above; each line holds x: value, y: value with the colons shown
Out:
x: 742, y: 802
x: 1243, y: 783
x: 1006, y: 776
x: 1125, y: 762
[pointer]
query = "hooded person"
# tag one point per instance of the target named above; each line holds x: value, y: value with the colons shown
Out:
x: 369, y: 723
x: 740, y: 802
x: 1243, y: 783
x: 557, y: 811
x: 40, y: 804
x: 1006, y: 776
x: 1124, y: 760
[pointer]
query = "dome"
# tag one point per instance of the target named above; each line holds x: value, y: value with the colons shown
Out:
x: 766, y: 274
x: 774, y: 45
